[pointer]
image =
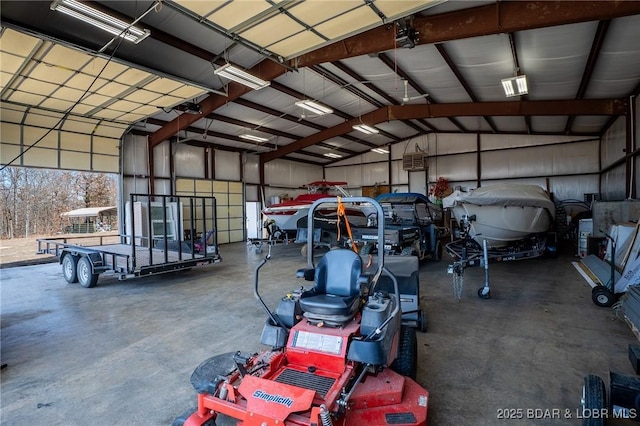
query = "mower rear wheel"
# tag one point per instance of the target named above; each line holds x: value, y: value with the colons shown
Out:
x: 406, y: 362
x: 593, y: 399
x: 182, y: 418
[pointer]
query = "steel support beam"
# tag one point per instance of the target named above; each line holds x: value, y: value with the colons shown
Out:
x: 411, y: 112
x: 267, y: 70
x: 496, y: 18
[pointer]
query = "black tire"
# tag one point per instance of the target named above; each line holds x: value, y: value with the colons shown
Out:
x: 602, y: 297
x: 182, y: 418
x: 483, y: 295
x: 86, y: 277
x: 406, y: 362
x: 69, y: 268
x: 423, y: 322
x: 593, y: 399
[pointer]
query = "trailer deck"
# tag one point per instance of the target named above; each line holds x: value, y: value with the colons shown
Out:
x: 157, y: 244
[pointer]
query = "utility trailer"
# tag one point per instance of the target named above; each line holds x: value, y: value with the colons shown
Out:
x: 163, y: 233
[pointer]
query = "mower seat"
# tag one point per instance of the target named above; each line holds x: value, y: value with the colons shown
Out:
x: 338, y: 286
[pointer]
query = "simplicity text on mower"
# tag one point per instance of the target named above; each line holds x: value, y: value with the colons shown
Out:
x: 339, y: 354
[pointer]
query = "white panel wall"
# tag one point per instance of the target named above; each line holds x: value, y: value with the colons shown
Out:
x: 161, y: 156
x: 251, y: 164
x: 453, y: 167
x: 613, y: 182
x: 614, y: 142
x: 227, y: 165
x: 489, y: 141
x: 286, y: 173
x: 284, y: 177
x: 188, y: 161
x: 134, y: 155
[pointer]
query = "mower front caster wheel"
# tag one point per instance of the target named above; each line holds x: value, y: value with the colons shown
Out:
x: 602, y: 297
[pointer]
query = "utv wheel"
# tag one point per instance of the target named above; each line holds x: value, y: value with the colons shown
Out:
x: 593, y: 399
x: 182, y: 418
x: 406, y: 362
x: 422, y: 321
x: 602, y: 297
x: 86, y: 277
x: 69, y: 266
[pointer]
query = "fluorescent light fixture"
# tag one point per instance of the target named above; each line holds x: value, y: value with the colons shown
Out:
x: 314, y: 107
x: 254, y: 138
x: 239, y: 76
x: 366, y: 129
x: 100, y: 19
x: 515, y: 86
x: 380, y: 150
x: 332, y: 155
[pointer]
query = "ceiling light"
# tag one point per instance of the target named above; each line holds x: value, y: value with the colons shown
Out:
x: 239, y: 76
x: 365, y: 129
x: 254, y: 138
x: 380, y: 150
x: 515, y: 86
x: 100, y: 19
x: 314, y: 107
x: 332, y: 155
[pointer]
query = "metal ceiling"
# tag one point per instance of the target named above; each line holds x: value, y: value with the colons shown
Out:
x: 582, y: 60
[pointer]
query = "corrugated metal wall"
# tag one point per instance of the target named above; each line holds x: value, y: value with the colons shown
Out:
x: 612, y: 150
x: 568, y: 164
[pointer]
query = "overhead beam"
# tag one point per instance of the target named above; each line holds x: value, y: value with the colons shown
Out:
x: 411, y: 112
x: 496, y: 18
x: 267, y: 70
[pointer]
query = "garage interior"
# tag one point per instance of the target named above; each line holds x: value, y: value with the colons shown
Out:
x: 425, y: 78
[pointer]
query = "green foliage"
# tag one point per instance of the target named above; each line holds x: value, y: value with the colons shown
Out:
x: 32, y: 200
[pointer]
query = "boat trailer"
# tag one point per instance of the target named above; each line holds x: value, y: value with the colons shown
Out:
x: 467, y: 252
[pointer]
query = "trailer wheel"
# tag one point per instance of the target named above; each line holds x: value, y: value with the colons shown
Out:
x: 182, y: 418
x: 86, y: 277
x: 602, y: 297
x: 69, y: 266
x: 406, y: 362
x: 593, y: 399
x: 422, y: 321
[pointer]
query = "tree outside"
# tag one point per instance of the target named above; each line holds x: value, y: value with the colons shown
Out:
x: 32, y: 200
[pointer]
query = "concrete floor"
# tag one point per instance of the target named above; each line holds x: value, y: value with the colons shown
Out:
x: 122, y: 352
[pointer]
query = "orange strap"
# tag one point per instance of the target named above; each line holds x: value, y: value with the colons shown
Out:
x: 342, y: 212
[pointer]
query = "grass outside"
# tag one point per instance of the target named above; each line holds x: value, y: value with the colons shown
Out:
x: 23, y: 251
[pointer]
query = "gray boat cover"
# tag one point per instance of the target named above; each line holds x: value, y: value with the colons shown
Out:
x: 504, y: 194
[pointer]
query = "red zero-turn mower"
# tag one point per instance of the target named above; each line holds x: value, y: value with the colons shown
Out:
x: 339, y: 354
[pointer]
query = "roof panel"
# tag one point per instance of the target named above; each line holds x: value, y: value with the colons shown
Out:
x: 554, y: 70
x: 617, y: 70
x: 548, y: 124
x: 17, y: 43
x: 65, y: 57
x: 346, y: 23
x: 272, y: 30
